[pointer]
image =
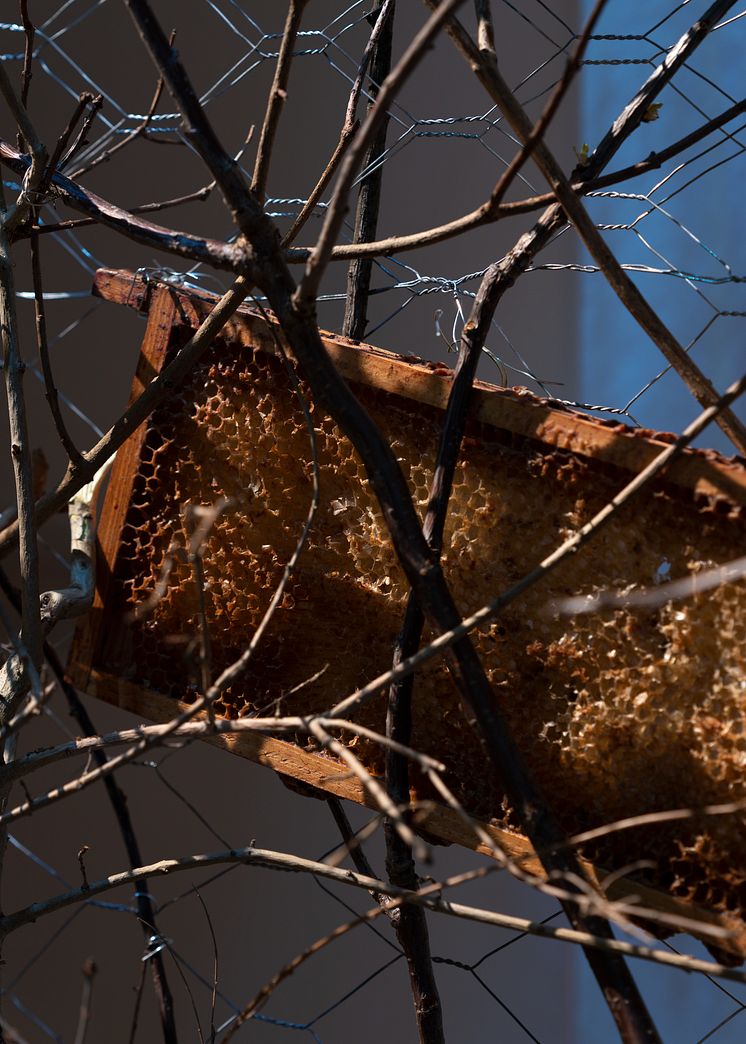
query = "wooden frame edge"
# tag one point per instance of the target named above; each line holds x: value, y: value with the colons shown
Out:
x: 153, y: 350
x: 443, y: 823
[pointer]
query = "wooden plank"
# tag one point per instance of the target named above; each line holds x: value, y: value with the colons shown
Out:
x: 152, y: 354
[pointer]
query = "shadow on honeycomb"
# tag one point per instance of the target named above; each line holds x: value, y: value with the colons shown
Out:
x: 618, y: 713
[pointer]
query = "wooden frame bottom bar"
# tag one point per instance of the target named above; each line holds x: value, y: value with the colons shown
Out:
x: 442, y: 823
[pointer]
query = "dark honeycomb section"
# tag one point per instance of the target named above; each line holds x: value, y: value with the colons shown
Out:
x: 618, y: 713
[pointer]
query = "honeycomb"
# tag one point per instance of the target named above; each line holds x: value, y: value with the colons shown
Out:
x: 621, y: 712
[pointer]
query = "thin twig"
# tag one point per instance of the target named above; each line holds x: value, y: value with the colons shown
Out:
x: 276, y: 99
x: 215, y: 964
x: 262, y: 996
x: 145, y: 907
x: 235, y: 669
x: 349, y: 129
x: 196, y: 248
x: 95, y: 103
x: 354, y: 849
x: 413, y: 54
x: 490, y: 77
x: 272, y: 860
x: 154, y: 394
x: 198, y: 196
x: 635, y: 111
x: 11, y: 1034
x: 222, y: 726
x: 137, y: 132
x: 50, y: 389
x: 196, y: 542
x: 652, y: 597
x: 672, y: 815
x: 222, y: 255
x: 370, y: 784
x: 58, y: 604
x: 139, y: 991
x: 37, y: 157
x: 488, y: 213
x: 28, y: 52
x: 89, y: 970
x: 84, y: 100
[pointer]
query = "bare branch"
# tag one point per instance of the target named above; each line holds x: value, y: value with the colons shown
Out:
x: 632, y: 115
x: 28, y: 51
x: 20, y: 672
x: 296, y: 864
x: 245, y: 208
x: 485, y: 28
x: 487, y: 213
x: 221, y: 726
x: 84, y: 100
x: 276, y: 98
x: 617, y: 985
x: 369, y: 193
x: 89, y: 974
x: 224, y: 256
x: 349, y: 129
x: 490, y: 77
x: 50, y: 388
x: 672, y: 815
x: 370, y: 783
x: 38, y: 156
x: 651, y: 597
x: 353, y: 847
x: 338, y: 207
x: 155, y: 393
x: 138, y: 132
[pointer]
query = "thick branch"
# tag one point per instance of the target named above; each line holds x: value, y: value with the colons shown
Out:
x: 339, y: 205
x: 348, y: 131
x: 369, y: 193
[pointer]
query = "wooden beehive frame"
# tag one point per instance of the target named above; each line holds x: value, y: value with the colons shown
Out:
x: 521, y: 414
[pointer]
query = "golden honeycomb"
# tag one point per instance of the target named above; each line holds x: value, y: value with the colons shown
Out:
x: 618, y: 713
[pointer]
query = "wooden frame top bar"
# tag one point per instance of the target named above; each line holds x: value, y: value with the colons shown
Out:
x: 705, y: 472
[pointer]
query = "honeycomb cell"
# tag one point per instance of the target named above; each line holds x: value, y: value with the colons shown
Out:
x: 618, y: 713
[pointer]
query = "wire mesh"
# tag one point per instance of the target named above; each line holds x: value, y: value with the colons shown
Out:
x: 674, y: 228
